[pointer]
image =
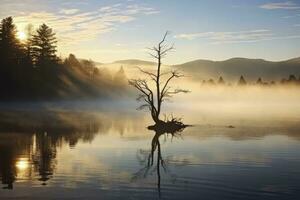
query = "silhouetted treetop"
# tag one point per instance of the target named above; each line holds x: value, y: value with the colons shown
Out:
x: 10, y: 47
x: 44, y: 45
x: 72, y: 61
x: 259, y: 81
x: 221, y: 81
x: 242, y: 81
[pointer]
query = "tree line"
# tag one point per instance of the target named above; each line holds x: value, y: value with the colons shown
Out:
x: 291, y: 80
x: 31, y: 69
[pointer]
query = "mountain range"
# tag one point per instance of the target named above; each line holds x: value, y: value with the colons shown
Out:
x: 233, y: 68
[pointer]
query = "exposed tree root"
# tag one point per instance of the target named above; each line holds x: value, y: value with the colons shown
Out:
x: 172, y: 126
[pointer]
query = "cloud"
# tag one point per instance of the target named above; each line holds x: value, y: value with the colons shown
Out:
x: 69, y: 11
x: 228, y: 37
x: 192, y: 36
x: 235, y: 37
x: 74, y: 25
x: 288, y: 5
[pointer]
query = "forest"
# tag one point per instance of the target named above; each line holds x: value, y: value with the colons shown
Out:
x: 32, y: 70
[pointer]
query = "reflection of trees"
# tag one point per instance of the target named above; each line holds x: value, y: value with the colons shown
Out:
x: 11, y: 147
x: 44, y: 156
x: 29, y: 141
x: 7, y: 167
x: 23, y: 154
x: 148, y: 158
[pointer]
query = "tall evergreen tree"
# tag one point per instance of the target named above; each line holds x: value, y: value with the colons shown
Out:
x: 44, y: 46
x: 10, y: 47
x: 12, y: 57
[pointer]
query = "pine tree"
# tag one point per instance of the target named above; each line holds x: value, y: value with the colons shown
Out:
x: 120, y: 77
x: 72, y: 62
x: 44, y: 46
x: 221, y: 81
x: 242, y: 81
x: 10, y: 47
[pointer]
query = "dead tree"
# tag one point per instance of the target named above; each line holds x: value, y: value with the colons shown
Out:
x: 154, y: 97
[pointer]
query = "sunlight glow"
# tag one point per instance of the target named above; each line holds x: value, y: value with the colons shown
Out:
x: 21, y: 36
x: 22, y: 164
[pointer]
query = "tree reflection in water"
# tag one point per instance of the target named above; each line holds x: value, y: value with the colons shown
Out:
x: 147, y: 158
x: 28, y: 142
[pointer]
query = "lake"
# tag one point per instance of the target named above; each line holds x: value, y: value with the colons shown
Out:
x: 105, y: 154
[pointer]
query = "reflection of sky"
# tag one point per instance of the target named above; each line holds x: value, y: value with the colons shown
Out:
x: 207, y: 160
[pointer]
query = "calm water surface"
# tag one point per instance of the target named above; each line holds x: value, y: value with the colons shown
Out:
x: 81, y: 155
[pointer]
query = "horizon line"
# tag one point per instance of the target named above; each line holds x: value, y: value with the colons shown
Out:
x: 115, y: 61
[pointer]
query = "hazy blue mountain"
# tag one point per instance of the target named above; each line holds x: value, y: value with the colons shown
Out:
x: 233, y: 68
x: 134, y: 62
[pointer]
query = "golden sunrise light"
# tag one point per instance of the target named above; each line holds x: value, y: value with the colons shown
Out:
x: 21, y: 36
x: 22, y: 164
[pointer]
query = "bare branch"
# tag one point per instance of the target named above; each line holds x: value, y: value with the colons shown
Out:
x: 152, y: 55
x: 146, y: 93
x: 166, y: 49
x: 174, y: 74
x: 150, y: 74
x: 176, y: 91
x: 164, y: 38
x: 142, y: 107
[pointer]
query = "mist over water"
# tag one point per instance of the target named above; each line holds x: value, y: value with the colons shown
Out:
x: 100, y: 148
x: 223, y: 105
x: 243, y: 144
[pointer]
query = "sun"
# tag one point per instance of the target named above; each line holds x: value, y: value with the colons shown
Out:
x: 21, y: 35
x: 22, y: 164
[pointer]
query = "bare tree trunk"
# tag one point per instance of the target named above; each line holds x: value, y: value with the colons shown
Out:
x: 157, y: 83
x: 158, y: 92
x: 155, y: 116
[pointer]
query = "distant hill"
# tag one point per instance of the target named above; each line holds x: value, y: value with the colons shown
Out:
x: 95, y: 62
x: 134, y: 62
x: 231, y: 69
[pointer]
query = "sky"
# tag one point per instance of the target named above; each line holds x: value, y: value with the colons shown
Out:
x: 109, y: 30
